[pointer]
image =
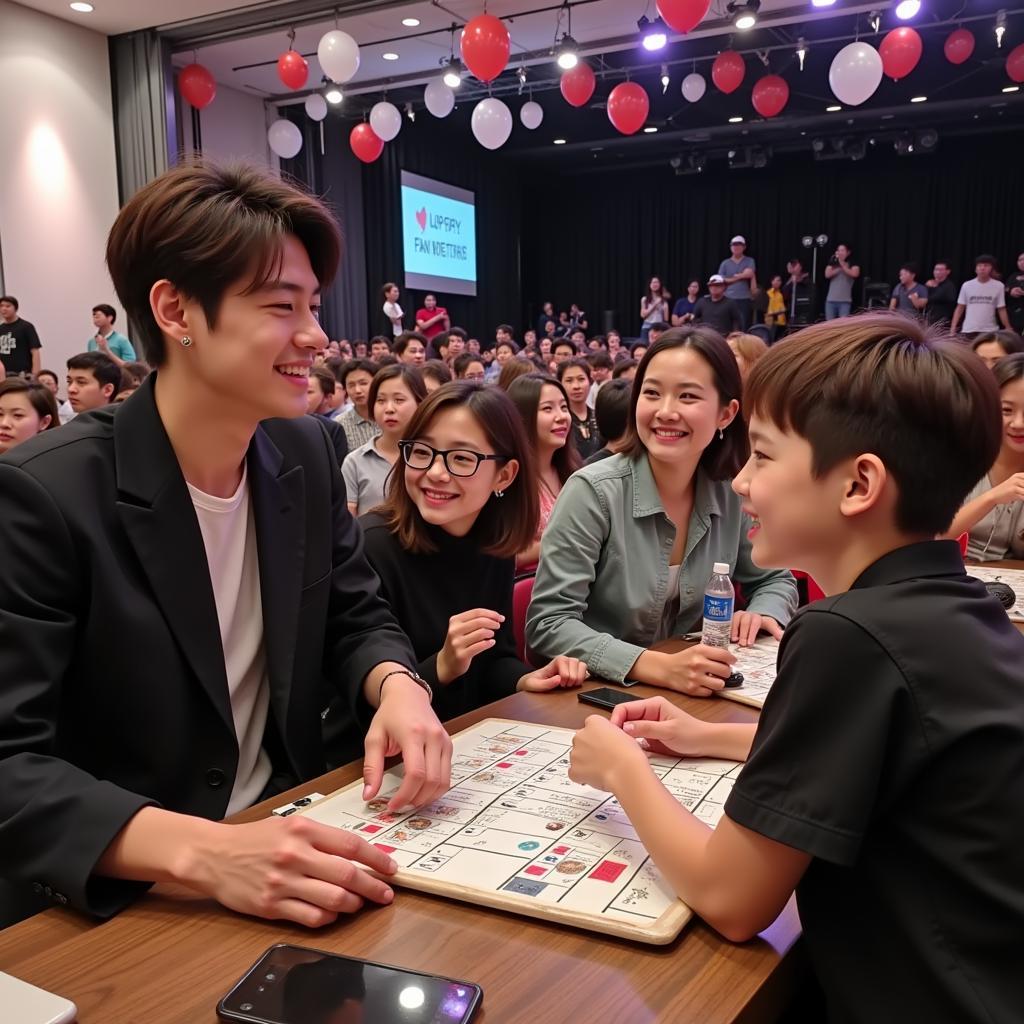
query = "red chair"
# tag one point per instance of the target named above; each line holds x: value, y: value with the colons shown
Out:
x: 522, y: 591
x: 962, y: 541
x: 814, y: 592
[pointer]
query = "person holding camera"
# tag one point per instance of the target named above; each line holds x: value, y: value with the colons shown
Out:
x: 841, y: 274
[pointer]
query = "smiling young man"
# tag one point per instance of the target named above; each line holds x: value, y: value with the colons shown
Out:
x: 205, y: 521
x: 886, y: 777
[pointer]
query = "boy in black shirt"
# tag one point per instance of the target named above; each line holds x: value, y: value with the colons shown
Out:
x: 885, y: 783
x: 20, y: 348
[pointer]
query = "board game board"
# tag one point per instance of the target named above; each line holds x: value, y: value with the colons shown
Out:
x: 516, y: 834
x: 757, y: 663
x: 1013, y: 578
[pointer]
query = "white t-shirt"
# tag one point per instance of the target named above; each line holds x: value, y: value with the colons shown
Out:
x: 229, y: 536
x: 982, y: 301
x: 392, y: 310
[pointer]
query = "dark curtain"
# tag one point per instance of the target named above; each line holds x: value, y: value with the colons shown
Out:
x: 145, y: 133
x: 598, y: 238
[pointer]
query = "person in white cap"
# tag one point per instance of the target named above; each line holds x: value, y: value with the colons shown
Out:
x: 717, y: 310
x: 740, y: 274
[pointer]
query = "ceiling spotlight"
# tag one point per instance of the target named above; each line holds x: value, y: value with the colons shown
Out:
x: 390, y: 56
x: 664, y: 79
x: 650, y: 130
x: 1000, y: 28
x: 926, y: 140
x: 559, y: 142
x: 918, y: 99
x: 801, y: 51
x: 653, y: 35
x: 567, y: 55
x: 821, y: 241
x: 411, y: 22
x: 822, y: 3
x: 334, y: 95
x: 453, y: 73
x: 735, y: 120
x: 743, y: 13
x: 808, y: 240
x: 904, y: 144
x: 832, y: 110
x: 82, y: 8
x: 1011, y: 88
x: 907, y: 9
x: 875, y: 21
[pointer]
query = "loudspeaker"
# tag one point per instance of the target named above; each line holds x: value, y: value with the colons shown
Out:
x: 607, y: 321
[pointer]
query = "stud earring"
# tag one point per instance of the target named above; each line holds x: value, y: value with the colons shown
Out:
x: 186, y: 341
x: 721, y: 434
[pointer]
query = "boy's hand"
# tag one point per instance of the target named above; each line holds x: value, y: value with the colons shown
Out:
x: 601, y: 753
x: 664, y: 728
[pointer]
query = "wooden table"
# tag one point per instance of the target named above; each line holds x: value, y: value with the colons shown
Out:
x: 170, y: 957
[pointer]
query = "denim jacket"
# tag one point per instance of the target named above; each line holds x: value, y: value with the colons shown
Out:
x: 603, y: 575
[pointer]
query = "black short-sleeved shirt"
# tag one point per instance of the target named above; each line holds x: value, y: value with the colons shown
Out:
x: 942, y: 302
x: 891, y: 749
x: 723, y: 316
x: 17, y: 340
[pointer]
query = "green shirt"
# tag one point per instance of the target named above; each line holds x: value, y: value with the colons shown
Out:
x: 119, y: 345
x: 603, y: 577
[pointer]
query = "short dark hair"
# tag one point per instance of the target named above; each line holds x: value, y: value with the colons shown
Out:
x: 366, y: 365
x: 410, y: 377
x: 325, y: 379
x: 525, y: 392
x: 463, y: 360
x: 385, y: 288
x: 335, y: 364
x: 505, y: 328
x: 379, y: 339
x: 622, y: 366
x: 645, y: 345
x: 11, y: 299
x: 985, y: 257
x: 944, y: 263
x: 48, y: 373
x: 1008, y: 341
x: 388, y: 359
x: 458, y: 332
x: 578, y: 364
x: 137, y: 370
x: 506, y: 525
x: 107, y: 311
x: 887, y: 385
x: 101, y: 366
x: 436, y: 370
x: 510, y: 344
x: 611, y: 407
x: 601, y: 360
x: 725, y: 455
x: 563, y: 343
x: 205, y: 227
x: 39, y: 397
x: 910, y: 268
x: 402, y: 341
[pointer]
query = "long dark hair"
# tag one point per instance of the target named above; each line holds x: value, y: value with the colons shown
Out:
x: 724, y: 457
x: 525, y: 391
x: 505, y: 526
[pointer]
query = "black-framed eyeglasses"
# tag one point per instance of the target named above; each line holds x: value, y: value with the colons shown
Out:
x: 457, y: 461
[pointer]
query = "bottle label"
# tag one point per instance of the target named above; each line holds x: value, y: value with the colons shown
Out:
x: 717, y: 631
x: 718, y: 608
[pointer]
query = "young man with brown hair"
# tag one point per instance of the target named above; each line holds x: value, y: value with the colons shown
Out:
x: 206, y: 519
x: 885, y: 779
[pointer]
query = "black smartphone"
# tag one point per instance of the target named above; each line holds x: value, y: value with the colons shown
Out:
x: 605, y: 697
x: 296, y: 985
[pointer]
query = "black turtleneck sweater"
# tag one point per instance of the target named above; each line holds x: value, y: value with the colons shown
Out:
x: 426, y: 590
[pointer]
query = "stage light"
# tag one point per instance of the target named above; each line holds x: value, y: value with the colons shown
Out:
x: 1011, y: 88
x: 409, y: 112
x: 653, y: 35
x: 926, y: 140
x: 807, y: 241
x: 907, y: 9
x: 822, y: 3
x: 521, y: 75
x: 650, y: 130
x: 453, y: 73
x: 82, y: 7
x: 822, y: 241
x: 875, y: 21
x: 801, y: 51
x: 411, y: 22
x: 334, y: 95
x: 918, y: 99
x: 664, y: 79
x: 559, y: 142
x: 567, y: 55
x: 390, y: 56
x: 904, y: 144
x: 833, y: 110
x: 735, y: 120
x: 1000, y: 28
x: 743, y: 13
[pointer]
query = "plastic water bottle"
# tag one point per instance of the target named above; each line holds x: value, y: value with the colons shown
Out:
x: 719, y: 599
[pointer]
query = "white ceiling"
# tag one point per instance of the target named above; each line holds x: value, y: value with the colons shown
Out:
x: 114, y: 16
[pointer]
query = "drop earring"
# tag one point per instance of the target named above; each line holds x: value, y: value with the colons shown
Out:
x: 721, y: 434
x: 499, y: 494
x: 186, y: 341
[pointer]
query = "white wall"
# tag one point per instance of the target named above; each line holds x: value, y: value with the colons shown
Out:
x: 58, y: 176
x: 233, y: 127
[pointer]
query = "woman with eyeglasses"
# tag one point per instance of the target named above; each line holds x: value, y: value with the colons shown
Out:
x: 444, y: 546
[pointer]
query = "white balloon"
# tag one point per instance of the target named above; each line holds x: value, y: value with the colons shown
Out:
x: 338, y: 55
x: 316, y: 107
x: 694, y: 87
x: 386, y: 120
x: 491, y: 123
x: 531, y: 115
x: 285, y: 138
x: 855, y: 74
x: 440, y: 100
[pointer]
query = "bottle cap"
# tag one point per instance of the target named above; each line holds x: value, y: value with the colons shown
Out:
x: 722, y: 567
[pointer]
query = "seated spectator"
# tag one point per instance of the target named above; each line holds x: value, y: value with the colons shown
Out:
x: 128, y: 387
x: 632, y: 540
x: 991, y: 346
x: 993, y: 513
x: 379, y: 346
x: 435, y: 373
x: 473, y: 345
x: 747, y: 348
x: 614, y: 342
x: 601, y: 366
x: 359, y: 349
x: 51, y: 382
x: 563, y: 350
x: 612, y: 411
x: 625, y: 369
x: 513, y: 370
x: 451, y: 344
x: 94, y: 380
x: 575, y: 378
x: 28, y: 408
x: 319, y: 396
x: 339, y: 403
x: 638, y: 350
x: 544, y: 408
x: 504, y: 351
x: 529, y: 339
x: 469, y: 366
x: 410, y: 348
x: 578, y: 337
x: 463, y: 502
x: 395, y: 393
x: 656, y: 331
x: 547, y: 315
x: 503, y: 334
x: 358, y: 423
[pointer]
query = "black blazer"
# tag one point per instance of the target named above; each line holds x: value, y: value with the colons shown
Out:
x: 113, y: 693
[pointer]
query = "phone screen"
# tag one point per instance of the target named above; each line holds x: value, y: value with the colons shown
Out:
x: 294, y: 985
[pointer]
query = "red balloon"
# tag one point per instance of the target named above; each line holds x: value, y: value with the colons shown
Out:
x: 197, y: 85
x: 578, y: 84
x: 683, y: 15
x: 770, y: 96
x: 366, y: 143
x: 900, y: 50
x: 292, y: 69
x: 485, y: 46
x: 728, y: 70
x: 628, y: 107
x: 1015, y: 64
x: 959, y: 45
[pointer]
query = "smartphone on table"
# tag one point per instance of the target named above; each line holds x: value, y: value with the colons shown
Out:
x: 605, y: 697
x: 295, y: 985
